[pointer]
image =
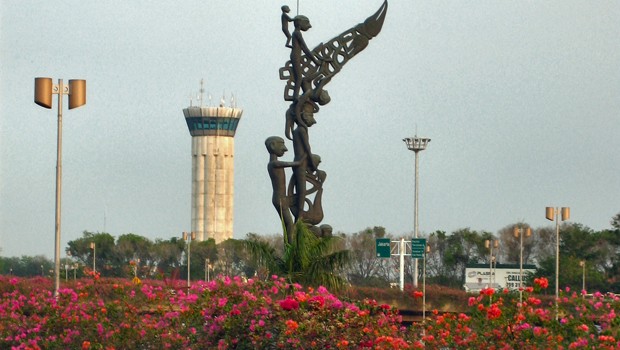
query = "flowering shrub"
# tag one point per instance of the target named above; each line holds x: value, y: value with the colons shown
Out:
x: 498, y: 321
x: 228, y: 313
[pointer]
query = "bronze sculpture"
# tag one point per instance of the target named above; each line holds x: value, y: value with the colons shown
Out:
x: 306, y: 74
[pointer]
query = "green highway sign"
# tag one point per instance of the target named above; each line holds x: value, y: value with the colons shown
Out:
x: 383, y: 248
x: 418, y: 246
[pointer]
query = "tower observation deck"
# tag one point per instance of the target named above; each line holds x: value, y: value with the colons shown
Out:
x: 213, y: 150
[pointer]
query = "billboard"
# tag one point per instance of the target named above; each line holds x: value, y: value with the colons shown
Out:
x: 480, y: 276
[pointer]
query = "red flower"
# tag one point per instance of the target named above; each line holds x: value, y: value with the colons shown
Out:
x: 493, y: 312
x: 541, y: 282
x: 417, y: 294
x: 317, y: 301
x: 289, y: 304
x: 487, y: 291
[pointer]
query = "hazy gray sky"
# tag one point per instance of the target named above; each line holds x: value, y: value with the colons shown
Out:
x: 520, y: 98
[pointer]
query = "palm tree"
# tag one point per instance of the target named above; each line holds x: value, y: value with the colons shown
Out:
x: 307, y: 260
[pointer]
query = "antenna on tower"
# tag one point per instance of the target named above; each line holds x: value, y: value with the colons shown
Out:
x: 232, y: 100
x: 297, y: 7
x: 202, y: 90
x: 191, y: 99
x: 223, y: 99
x: 210, y: 102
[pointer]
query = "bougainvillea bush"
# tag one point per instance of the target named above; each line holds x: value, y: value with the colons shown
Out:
x: 506, y: 320
x: 229, y: 313
x: 226, y: 313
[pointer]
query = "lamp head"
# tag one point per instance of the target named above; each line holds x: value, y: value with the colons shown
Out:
x: 43, y: 92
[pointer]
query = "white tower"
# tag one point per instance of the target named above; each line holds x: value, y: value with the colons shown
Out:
x: 213, y: 150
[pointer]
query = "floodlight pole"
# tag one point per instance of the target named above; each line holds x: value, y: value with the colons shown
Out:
x: 582, y: 263
x: 490, y: 244
x: 189, y: 237
x: 416, y: 144
x: 43, y: 91
x: 427, y: 250
x: 93, y: 247
x: 518, y: 232
x: 552, y: 213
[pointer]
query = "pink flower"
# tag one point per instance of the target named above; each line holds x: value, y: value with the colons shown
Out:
x: 289, y: 304
x: 317, y: 301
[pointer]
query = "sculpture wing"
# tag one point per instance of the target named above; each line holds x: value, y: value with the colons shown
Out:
x: 335, y: 53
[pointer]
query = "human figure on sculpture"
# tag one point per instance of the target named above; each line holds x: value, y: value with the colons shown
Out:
x: 303, y: 152
x: 281, y: 202
x: 285, y: 19
x: 326, y: 230
x: 314, y: 214
x: 302, y: 24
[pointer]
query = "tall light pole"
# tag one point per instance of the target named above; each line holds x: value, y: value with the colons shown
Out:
x: 43, y: 91
x: 207, y: 268
x: 68, y: 253
x: 582, y: 263
x: 551, y: 214
x: 490, y: 244
x: 519, y: 234
x: 427, y: 250
x: 93, y: 247
x: 189, y: 237
x: 416, y: 144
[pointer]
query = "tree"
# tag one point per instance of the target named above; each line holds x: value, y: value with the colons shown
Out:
x: 436, y: 269
x: 615, y: 221
x: 464, y: 247
x: 577, y: 241
x: 544, y: 243
x: 511, y: 245
x: 364, y: 268
x: 131, y: 247
x: 167, y: 254
x: 80, y: 249
x: 233, y: 260
x: 201, y: 251
x: 307, y: 260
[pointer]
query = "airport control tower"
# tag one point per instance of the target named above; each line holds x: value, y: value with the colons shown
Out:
x: 213, y: 171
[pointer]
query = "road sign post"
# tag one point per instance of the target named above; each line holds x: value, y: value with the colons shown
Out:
x: 383, y: 248
x: 418, y: 246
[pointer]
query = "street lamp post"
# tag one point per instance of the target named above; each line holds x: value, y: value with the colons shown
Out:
x: 207, y: 268
x: 43, y: 91
x: 92, y: 246
x: 551, y: 214
x: 519, y: 234
x: 582, y: 263
x: 189, y: 237
x: 490, y: 244
x: 427, y: 250
x: 68, y: 253
x: 416, y: 144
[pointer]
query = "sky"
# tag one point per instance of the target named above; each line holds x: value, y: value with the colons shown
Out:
x: 521, y: 101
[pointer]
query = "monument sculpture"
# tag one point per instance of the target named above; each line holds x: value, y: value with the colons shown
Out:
x: 306, y: 75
